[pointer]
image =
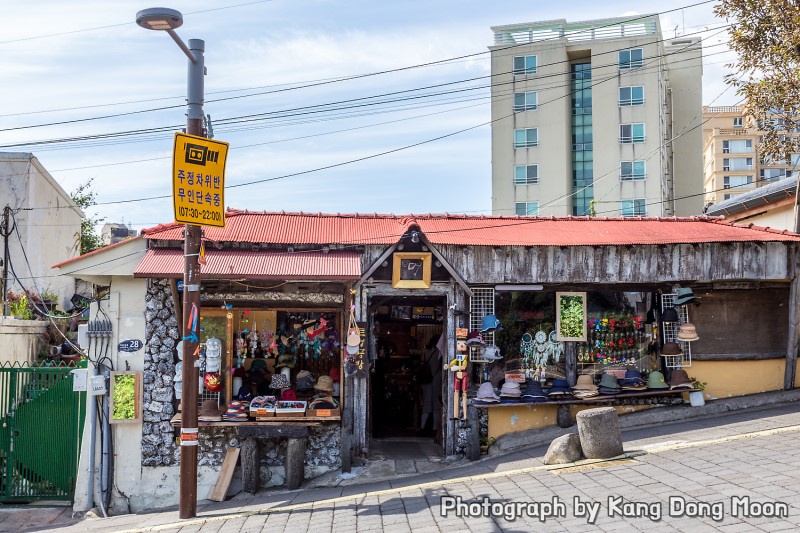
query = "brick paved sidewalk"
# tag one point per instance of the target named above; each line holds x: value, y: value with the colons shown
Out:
x: 762, y: 466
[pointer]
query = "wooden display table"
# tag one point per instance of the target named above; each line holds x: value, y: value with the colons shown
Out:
x: 564, y: 418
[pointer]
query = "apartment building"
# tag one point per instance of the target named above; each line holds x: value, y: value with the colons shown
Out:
x: 732, y: 164
x: 600, y: 116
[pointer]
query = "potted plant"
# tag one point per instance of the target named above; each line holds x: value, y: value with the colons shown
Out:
x: 19, y: 306
x: 485, y: 443
x: 697, y: 397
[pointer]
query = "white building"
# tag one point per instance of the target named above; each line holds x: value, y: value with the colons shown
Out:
x: 601, y: 114
x: 46, y: 225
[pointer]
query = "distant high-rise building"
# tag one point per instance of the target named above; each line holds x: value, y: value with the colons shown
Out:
x: 732, y: 164
x: 113, y: 232
x: 598, y: 116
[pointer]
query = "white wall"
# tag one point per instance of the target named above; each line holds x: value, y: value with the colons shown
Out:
x: 48, y: 234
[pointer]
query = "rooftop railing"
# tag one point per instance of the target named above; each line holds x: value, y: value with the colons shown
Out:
x: 575, y: 31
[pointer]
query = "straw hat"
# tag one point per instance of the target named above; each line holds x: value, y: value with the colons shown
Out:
x: 585, y: 382
x: 324, y: 384
x: 687, y: 333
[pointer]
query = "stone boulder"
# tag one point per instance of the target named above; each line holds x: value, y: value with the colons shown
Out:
x: 564, y: 449
x: 599, y: 433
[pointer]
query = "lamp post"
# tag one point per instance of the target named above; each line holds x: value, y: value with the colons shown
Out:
x: 163, y: 19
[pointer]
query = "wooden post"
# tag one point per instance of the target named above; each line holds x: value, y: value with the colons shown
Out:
x: 346, y: 392
x: 794, y: 332
x: 295, y: 462
x: 571, y: 360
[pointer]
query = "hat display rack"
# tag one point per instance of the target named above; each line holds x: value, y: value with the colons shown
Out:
x: 614, y: 340
x: 677, y: 300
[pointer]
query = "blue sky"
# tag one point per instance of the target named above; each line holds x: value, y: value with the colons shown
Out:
x: 77, y: 60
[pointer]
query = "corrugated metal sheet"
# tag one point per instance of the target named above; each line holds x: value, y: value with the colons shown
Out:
x: 168, y: 262
x: 310, y: 228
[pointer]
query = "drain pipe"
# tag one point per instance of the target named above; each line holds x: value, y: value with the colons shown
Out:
x: 92, y: 435
x: 104, y: 462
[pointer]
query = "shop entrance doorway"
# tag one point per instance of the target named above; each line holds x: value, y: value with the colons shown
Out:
x: 406, y: 387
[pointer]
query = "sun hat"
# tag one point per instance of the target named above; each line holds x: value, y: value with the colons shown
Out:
x: 632, y: 381
x: 685, y: 295
x: 679, y: 379
x: 486, y: 393
x: 687, y: 333
x: 305, y: 381
x: 559, y: 387
x: 285, y: 361
x: 475, y: 338
x: 209, y: 412
x: 323, y: 402
x: 288, y: 395
x: 670, y: 314
x: 324, y: 384
x: 585, y: 383
x: 609, y: 382
x: 279, y: 381
x: 656, y: 380
x: 245, y: 393
x: 510, y: 389
x: 491, y: 353
x: 671, y: 348
x: 534, y: 393
x: 490, y: 323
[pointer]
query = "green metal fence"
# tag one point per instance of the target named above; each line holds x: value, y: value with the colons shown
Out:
x: 42, y: 420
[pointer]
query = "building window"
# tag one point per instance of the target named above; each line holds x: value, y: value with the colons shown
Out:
x: 524, y: 65
x: 525, y: 174
x: 530, y: 209
x: 738, y: 122
x: 733, y: 182
x: 631, y: 133
x: 632, y: 170
x: 633, y: 58
x: 727, y: 196
x: 769, y: 174
x: 526, y: 137
x: 741, y: 146
x: 737, y: 163
x: 631, y: 95
x: 527, y: 101
x: 633, y: 208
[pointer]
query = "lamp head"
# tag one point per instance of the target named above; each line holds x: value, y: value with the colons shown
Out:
x: 414, y: 237
x: 159, y: 18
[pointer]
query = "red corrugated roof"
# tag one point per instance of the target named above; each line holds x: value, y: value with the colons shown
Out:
x: 168, y: 262
x: 319, y: 228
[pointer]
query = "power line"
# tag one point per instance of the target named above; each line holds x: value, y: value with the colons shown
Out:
x: 359, y: 76
x: 327, y: 107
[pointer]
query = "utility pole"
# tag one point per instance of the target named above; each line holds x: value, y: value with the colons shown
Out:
x: 6, y: 235
x: 167, y: 20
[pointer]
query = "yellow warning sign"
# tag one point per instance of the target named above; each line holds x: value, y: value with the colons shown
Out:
x: 198, y: 180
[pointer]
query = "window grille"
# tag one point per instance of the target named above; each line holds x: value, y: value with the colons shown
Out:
x: 670, y: 333
x: 480, y: 305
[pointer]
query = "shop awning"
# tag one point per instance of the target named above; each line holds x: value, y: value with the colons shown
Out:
x: 227, y: 264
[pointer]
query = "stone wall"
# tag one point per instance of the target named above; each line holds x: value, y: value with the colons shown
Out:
x: 161, y: 336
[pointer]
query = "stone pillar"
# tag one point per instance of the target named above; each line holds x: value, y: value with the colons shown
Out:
x: 295, y: 459
x: 599, y: 432
x: 251, y: 464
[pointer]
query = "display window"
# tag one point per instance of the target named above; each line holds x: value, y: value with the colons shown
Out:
x: 247, y: 353
x: 609, y: 329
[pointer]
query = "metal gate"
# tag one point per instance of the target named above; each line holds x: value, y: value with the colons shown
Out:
x: 42, y: 421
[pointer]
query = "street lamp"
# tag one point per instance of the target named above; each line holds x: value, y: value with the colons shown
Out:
x: 163, y: 19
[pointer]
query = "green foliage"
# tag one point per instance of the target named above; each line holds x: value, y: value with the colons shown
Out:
x: 571, y: 323
x: 592, y: 208
x: 765, y: 34
x: 699, y: 385
x: 19, y: 306
x: 85, y: 197
x: 124, y: 397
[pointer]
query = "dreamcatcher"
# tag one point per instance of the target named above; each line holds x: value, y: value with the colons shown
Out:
x: 556, y: 348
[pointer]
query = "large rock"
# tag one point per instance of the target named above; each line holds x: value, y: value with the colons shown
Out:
x: 564, y: 449
x: 599, y: 433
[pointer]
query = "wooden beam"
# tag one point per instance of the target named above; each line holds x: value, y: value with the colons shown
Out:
x: 794, y: 333
x: 737, y: 356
